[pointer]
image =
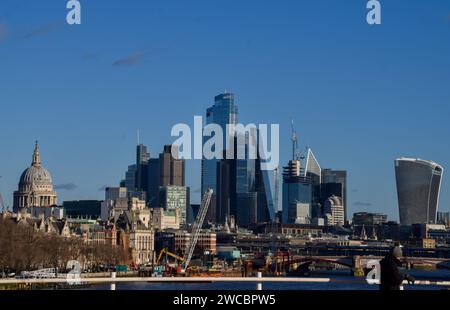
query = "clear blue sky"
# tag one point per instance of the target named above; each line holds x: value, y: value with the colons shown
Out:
x: 360, y: 95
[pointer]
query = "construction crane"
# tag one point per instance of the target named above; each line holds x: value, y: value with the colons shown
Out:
x: 296, y: 154
x: 294, y: 139
x: 196, y: 227
x: 166, y: 251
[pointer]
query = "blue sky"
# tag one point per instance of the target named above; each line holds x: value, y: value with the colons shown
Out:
x: 360, y: 95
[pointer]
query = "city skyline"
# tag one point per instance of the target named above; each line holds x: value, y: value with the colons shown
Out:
x: 141, y: 146
x: 370, y: 101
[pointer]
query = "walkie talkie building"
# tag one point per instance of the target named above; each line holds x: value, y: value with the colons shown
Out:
x: 418, y: 187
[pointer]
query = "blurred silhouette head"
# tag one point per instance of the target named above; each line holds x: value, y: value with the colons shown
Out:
x: 397, y: 252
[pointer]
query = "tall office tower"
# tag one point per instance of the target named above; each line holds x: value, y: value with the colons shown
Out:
x: 334, y: 182
x: 223, y: 112
x: 130, y: 180
x: 242, y: 189
x: 171, y: 170
x: 265, y: 186
x: 246, y: 191
x: 313, y: 172
x: 136, y: 177
x: 226, y: 190
x: 163, y: 171
x: 235, y: 179
x: 418, y: 188
x: 142, y: 158
x: 175, y: 198
x: 297, y: 193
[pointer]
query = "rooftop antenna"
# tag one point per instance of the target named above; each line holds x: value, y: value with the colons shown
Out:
x: 138, y: 136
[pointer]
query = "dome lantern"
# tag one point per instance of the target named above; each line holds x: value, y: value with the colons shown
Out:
x: 36, y: 157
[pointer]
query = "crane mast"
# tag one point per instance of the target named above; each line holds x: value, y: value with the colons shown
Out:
x: 294, y: 140
x: 196, y: 227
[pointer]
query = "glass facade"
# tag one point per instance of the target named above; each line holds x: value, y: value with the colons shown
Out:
x: 142, y: 158
x: 243, y: 190
x: 247, y: 208
x: 130, y: 179
x: 334, y: 182
x: 313, y: 170
x: 223, y: 112
x: 175, y: 197
x: 245, y: 173
x: 295, y: 194
x: 418, y: 187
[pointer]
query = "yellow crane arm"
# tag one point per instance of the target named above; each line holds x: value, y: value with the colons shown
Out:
x: 168, y: 253
x: 176, y: 256
x: 160, y: 256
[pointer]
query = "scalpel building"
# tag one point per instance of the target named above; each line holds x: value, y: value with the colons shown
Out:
x: 418, y: 188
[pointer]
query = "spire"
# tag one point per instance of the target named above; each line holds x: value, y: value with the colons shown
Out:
x: 374, y: 234
x: 363, y: 235
x: 36, y: 157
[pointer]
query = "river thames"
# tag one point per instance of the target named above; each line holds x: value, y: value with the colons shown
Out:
x: 337, y: 282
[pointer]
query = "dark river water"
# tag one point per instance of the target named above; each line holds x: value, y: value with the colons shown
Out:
x: 339, y: 281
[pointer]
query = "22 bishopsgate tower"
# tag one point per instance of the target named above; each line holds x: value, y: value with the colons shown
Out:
x: 223, y: 112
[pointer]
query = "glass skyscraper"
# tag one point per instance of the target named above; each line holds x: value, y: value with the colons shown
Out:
x: 142, y: 158
x: 418, y: 188
x: 297, y: 192
x: 334, y: 182
x: 223, y: 112
x: 244, y: 191
x: 130, y: 179
x: 236, y: 178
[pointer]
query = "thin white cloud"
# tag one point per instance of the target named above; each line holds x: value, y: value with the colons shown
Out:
x: 362, y: 204
x: 66, y: 187
x: 131, y: 60
x: 43, y: 30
